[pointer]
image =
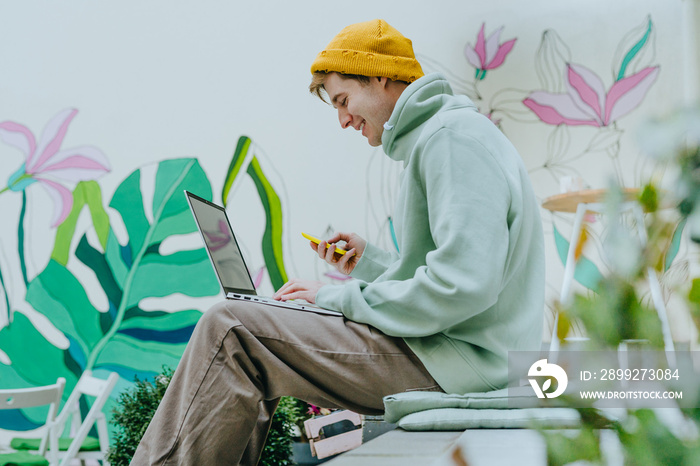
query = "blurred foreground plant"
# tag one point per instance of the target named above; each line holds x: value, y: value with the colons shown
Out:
x: 618, y: 313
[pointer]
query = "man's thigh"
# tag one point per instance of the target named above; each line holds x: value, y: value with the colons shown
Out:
x: 322, y: 359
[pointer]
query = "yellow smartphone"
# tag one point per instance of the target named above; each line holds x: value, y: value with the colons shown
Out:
x: 318, y: 241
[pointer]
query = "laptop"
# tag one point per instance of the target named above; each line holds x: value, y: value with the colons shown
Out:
x: 226, y: 257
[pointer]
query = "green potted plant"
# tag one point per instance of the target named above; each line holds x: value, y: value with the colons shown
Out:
x: 285, y: 445
x: 134, y: 410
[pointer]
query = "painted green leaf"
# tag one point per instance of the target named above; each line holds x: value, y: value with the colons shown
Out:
x: 97, y: 261
x: 272, y: 238
x: 128, y: 201
x: 392, y: 231
x: 20, y: 239
x: 163, y: 323
x: 61, y: 298
x: 5, y: 294
x: 85, y: 193
x: 159, y: 276
x: 586, y: 272
x: 675, y: 244
x: 239, y: 156
x: 634, y: 50
x: 119, y: 259
x: 171, y: 214
x: 26, y: 347
x: 133, y: 357
x: 138, y: 267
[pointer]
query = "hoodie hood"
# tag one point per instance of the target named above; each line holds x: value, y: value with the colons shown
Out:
x: 419, y: 102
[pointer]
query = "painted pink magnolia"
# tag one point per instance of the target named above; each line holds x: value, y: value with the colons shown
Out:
x: 488, y: 54
x: 586, y: 102
x: 51, y: 166
x: 495, y: 121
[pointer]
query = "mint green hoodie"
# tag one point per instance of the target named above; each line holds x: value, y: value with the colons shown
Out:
x: 467, y: 285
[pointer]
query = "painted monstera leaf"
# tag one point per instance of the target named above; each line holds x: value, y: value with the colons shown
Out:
x: 125, y: 339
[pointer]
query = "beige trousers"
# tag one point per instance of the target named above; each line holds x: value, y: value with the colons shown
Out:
x: 244, y: 356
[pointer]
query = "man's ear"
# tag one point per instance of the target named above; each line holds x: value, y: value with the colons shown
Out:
x: 383, y: 81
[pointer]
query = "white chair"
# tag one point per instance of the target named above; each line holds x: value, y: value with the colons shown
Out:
x: 32, y: 397
x: 70, y: 420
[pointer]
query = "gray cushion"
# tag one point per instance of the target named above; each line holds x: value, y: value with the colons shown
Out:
x: 515, y: 407
x: 461, y: 419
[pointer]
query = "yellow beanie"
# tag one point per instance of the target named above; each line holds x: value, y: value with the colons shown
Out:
x: 372, y: 48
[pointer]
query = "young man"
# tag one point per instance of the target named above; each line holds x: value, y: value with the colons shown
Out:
x: 466, y: 286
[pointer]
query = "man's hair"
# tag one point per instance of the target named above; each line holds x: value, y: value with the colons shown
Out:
x: 318, y: 79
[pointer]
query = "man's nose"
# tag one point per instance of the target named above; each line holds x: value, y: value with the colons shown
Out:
x: 344, y: 118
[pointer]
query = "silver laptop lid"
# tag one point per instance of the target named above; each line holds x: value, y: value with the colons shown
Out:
x: 221, y: 245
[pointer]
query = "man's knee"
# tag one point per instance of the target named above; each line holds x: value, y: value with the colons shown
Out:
x: 218, y: 317
x: 257, y: 319
x: 231, y: 313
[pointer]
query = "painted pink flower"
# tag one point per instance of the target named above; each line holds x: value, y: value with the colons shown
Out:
x: 49, y: 165
x: 488, y: 54
x: 495, y: 121
x: 586, y: 102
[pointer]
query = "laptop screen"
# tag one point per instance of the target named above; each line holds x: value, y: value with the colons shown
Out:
x: 221, y: 245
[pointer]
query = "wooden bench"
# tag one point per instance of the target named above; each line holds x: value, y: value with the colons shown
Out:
x: 473, y: 447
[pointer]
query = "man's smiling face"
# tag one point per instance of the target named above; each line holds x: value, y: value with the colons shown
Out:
x: 365, y: 107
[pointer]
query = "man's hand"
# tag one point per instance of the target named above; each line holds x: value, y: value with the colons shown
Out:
x: 345, y: 263
x: 299, y: 289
